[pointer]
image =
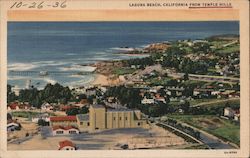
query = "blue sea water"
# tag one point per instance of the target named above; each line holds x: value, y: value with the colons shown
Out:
x: 65, y: 46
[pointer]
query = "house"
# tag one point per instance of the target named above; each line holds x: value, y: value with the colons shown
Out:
x: 90, y: 91
x: 46, y: 107
x: 67, y: 107
x: 66, y: 145
x: 175, y: 90
x: 63, y: 121
x: 145, y: 100
x: 13, y: 106
x: 17, y: 106
x: 13, y: 125
x: 159, y: 98
x: 83, y: 122
x: 43, y: 116
x: 64, y: 130
x: 229, y: 112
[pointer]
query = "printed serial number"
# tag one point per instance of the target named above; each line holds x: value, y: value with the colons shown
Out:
x: 38, y: 5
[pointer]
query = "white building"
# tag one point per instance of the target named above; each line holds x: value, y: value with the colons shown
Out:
x: 44, y: 116
x: 229, y: 112
x: 12, y: 126
x: 59, y: 130
x: 46, y: 107
x: 147, y: 101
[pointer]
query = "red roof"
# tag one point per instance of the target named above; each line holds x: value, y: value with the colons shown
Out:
x: 65, y: 143
x: 63, y: 118
x: 64, y: 127
x: 13, y: 105
x: 67, y: 107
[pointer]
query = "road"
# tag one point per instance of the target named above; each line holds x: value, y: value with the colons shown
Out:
x: 186, y: 134
x: 212, y: 141
x: 213, y: 102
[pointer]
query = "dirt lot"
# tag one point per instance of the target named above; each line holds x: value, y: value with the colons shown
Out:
x: 28, y: 129
x: 108, y: 139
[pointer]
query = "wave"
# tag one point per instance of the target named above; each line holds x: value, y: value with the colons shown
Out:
x: 86, y: 80
x: 49, y: 80
x: 49, y: 63
x: 71, y: 54
x: 11, y: 78
x: 122, y: 48
x: 78, y: 68
x: 21, y: 66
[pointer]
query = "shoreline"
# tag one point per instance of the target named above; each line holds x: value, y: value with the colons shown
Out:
x: 99, y: 79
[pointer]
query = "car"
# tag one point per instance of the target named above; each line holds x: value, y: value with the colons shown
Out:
x: 124, y: 146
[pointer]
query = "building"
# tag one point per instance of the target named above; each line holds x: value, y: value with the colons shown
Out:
x: 47, y: 107
x: 147, y: 101
x: 83, y: 122
x: 43, y: 116
x: 66, y: 145
x: 17, y: 106
x: 13, y: 125
x: 229, y: 112
x: 63, y: 121
x: 64, y: 130
x: 100, y: 118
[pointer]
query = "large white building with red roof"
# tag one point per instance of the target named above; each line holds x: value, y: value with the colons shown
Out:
x: 63, y: 121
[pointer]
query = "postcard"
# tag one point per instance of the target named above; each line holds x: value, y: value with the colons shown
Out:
x: 124, y: 78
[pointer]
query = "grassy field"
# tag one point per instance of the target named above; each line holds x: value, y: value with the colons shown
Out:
x: 197, y: 101
x: 231, y: 103
x: 123, y: 71
x: 230, y: 49
x: 157, y: 81
x: 224, y: 129
x: 25, y: 114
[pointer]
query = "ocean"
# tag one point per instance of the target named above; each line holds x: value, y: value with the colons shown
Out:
x: 66, y: 46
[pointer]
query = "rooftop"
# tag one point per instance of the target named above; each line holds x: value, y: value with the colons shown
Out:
x: 63, y: 118
x: 97, y: 106
x: 63, y: 127
x: 119, y: 110
x: 83, y: 117
x: 65, y: 143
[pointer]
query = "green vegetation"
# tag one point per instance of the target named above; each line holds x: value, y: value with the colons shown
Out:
x: 197, y: 101
x: 224, y: 129
x: 124, y: 70
x: 75, y: 111
x: 225, y: 103
x: 26, y: 114
x: 51, y: 93
x: 156, y: 81
x: 230, y: 49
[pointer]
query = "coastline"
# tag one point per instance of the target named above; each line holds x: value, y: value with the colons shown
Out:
x: 100, y: 80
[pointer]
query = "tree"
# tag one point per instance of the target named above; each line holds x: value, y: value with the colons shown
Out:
x: 84, y: 110
x: 11, y: 97
x: 42, y: 122
x: 9, y: 117
x: 186, y: 77
x: 185, y: 107
x: 72, y: 112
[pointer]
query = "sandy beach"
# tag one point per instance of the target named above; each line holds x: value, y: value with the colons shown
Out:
x: 104, y: 80
x: 100, y: 80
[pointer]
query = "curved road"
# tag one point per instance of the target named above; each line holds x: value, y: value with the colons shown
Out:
x: 211, y: 141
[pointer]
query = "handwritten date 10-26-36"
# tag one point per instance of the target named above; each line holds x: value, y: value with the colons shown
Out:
x: 39, y: 5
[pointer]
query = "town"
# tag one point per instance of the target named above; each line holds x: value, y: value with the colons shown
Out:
x: 184, y: 95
